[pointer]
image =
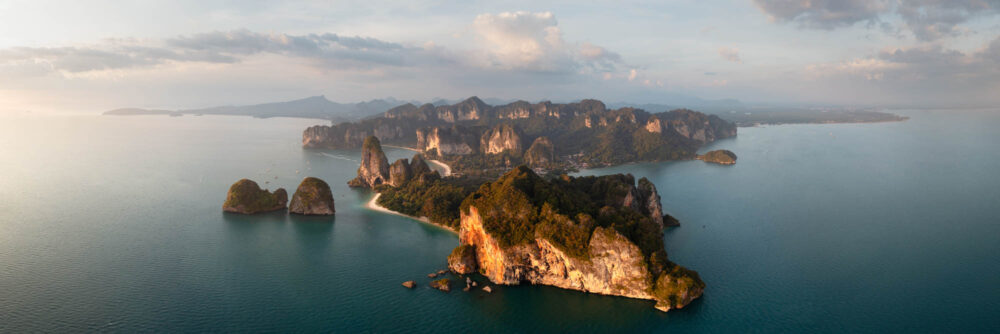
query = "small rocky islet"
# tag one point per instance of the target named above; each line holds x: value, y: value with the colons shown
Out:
x: 721, y: 157
x: 313, y: 197
x: 246, y: 197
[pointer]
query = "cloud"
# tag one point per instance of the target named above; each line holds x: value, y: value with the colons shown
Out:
x: 533, y: 41
x: 513, y: 42
x: 926, y: 72
x: 933, y: 19
x: 823, y: 14
x: 326, y: 50
x: 730, y: 54
x: 927, y: 20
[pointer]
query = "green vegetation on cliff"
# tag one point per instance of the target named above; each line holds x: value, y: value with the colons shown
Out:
x: 246, y: 197
x: 312, y: 197
x: 427, y: 195
x: 722, y: 157
x: 521, y: 206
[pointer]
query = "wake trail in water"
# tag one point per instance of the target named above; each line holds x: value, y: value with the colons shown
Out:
x: 338, y: 157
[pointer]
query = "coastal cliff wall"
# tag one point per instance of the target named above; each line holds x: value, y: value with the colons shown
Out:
x: 592, y: 234
x: 615, y: 266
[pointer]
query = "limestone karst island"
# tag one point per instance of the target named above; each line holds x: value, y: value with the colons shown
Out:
x: 541, y: 166
x: 520, y: 219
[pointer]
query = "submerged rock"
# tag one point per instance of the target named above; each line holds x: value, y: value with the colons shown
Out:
x: 722, y: 157
x: 374, y: 168
x: 462, y: 260
x: 313, y: 197
x: 246, y: 197
x: 443, y: 284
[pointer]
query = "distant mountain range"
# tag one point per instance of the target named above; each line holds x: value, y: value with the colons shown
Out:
x: 318, y: 107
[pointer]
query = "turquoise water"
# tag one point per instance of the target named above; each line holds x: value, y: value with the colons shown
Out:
x: 114, y: 224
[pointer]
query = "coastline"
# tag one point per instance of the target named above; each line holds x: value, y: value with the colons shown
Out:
x: 372, y: 204
x: 446, y: 170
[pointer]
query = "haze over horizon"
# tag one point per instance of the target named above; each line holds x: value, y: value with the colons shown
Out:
x: 190, y: 54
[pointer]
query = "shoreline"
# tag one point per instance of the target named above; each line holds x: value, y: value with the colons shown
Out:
x: 372, y: 204
x: 444, y: 167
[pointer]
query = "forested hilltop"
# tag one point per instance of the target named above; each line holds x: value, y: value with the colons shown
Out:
x: 476, y: 138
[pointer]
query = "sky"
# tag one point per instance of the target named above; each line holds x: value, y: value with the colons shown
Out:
x: 97, y: 55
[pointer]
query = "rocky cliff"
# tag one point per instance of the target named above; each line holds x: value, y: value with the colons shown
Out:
x: 374, y: 169
x: 246, y: 197
x: 313, y: 197
x: 586, y: 132
x: 541, y: 153
x: 453, y: 140
x: 501, y: 138
x: 571, y: 233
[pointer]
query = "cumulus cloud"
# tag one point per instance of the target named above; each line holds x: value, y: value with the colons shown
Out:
x: 927, y: 70
x: 823, y: 14
x: 926, y: 19
x: 730, y: 54
x: 533, y: 41
x: 933, y: 19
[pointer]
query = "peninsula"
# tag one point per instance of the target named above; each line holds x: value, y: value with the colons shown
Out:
x: 595, y: 234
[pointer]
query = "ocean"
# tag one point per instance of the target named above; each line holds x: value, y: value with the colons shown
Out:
x: 114, y: 224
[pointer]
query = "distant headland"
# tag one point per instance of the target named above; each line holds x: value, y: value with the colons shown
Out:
x: 478, y: 139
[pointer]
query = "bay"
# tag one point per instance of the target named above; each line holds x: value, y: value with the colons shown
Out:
x: 114, y: 224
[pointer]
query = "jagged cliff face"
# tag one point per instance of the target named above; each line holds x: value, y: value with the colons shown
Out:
x: 352, y: 135
x: 446, y: 141
x: 697, y: 126
x: 615, y: 265
x: 521, y: 237
x: 400, y: 172
x: 374, y: 169
x: 593, y: 134
x: 649, y: 201
x: 541, y: 152
x: 501, y: 138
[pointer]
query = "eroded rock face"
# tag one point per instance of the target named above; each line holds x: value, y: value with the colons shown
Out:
x: 649, y: 200
x: 541, y: 152
x: 400, y: 172
x: 654, y: 125
x: 446, y: 140
x: 615, y: 266
x: 698, y: 126
x: 501, y: 138
x: 518, y: 238
x: 313, y: 197
x: 462, y: 260
x: 418, y: 166
x: 374, y: 168
x: 246, y: 197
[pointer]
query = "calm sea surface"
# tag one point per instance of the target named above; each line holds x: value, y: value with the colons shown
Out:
x: 115, y: 224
